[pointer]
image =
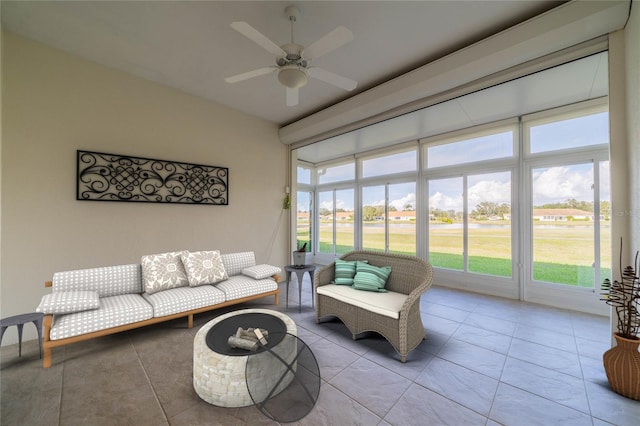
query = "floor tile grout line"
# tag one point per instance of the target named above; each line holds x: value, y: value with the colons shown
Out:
x: 146, y: 375
x: 64, y: 358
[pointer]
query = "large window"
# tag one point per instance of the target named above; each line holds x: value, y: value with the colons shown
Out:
x: 570, y: 198
x: 304, y: 204
x: 336, y: 217
x: 339, y: 173
x: 489, y: 223
x: 446, y: 233
x: 303, y: 220
x: 390, y: 164
x: 389, y: 218
x: 470, y: 150
x: 469, y: 226
x: 579, y: 132
x: 520, y: 208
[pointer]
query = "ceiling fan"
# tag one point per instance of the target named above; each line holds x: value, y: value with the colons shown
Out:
x: 293, y: 60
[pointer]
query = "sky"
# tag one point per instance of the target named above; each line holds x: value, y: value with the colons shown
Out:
x: 549, y: 184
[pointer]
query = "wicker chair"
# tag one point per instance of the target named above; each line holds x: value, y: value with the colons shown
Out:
x: 409, y: 275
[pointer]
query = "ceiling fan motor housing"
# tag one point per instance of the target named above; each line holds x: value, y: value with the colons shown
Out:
x: 292, y: 76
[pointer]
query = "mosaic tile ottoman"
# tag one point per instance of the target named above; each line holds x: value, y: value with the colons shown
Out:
x: 220, y: 376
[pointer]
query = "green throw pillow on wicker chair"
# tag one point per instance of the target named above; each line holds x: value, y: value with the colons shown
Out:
x: 345, y: 271
x: 371, y: 278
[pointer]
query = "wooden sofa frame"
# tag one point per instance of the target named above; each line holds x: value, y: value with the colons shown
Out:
x: 409, y: 275
x: 48, y: 344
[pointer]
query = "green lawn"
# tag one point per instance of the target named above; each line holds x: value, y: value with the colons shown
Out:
x: 562, y: 255
x: 581, y: 276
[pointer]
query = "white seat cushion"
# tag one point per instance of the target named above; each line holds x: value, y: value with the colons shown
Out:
x: 240, y: 286
x: 181, y: 299
x: 387, y: 304
x: 113, y: 312
x: 66, y: 302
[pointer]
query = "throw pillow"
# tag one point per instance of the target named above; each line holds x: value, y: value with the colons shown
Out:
x: 345, y: 270
x: 163, y: 271
x: 259, y: 272
x: 371, y: 278
x: 203, y: 267
x: 66, y: 302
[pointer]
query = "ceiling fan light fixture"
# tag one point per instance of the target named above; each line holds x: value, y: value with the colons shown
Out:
x: 292, y: 77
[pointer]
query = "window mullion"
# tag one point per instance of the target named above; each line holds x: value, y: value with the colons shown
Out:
x: 465, y: 223
x: 596, y: 223
x: 386, y: 217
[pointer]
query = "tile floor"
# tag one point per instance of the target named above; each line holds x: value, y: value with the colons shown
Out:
x: 486, y: 361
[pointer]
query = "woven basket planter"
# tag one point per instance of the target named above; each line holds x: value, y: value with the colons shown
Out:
x: 622, y: 365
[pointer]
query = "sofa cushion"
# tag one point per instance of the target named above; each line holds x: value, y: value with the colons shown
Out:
x: 344, y: 272
x: 65, y: 302
x: 371, y: 278
x: 259, y: 272
x: 183, y: 299
x: 113, y: 312
x: 240, y: 286
x: 234, y: 263
x: 387, y: 304
x: 203, y: 267
x: 106, y: 281
x: 163, y: 271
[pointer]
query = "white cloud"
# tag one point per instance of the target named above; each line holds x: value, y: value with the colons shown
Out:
x: 490, y: 190
x: 560, y: 183
x: 340, y: 204
x: 408, y: 199
x: 326, y: 205
x: 445, y: 202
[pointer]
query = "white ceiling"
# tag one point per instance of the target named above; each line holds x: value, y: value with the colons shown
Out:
x: 190, y: 46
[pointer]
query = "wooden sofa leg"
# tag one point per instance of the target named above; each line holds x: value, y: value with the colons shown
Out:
x: 46, y: 357
x: 190, y: 321
x: 403, y: 358
x: 46, y: 350
x: 275, y: 299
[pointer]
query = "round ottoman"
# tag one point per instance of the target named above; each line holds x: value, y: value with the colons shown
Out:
x: 220, y: 379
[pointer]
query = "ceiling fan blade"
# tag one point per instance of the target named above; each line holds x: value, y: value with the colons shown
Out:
x: 257, y: 37
x: 331, y: 78
x: 292, y: 96
x: 250, y: 74
x: 329, y: 42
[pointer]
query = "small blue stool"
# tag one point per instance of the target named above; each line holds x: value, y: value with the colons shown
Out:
x: 20, y: 321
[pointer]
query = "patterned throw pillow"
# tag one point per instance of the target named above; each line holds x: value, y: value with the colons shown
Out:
x: 371, y: 278
x: 345, y: 271
x: 163, y: 271
x: 66, y: 302
x: 203, y: 267
x: 259, y: 272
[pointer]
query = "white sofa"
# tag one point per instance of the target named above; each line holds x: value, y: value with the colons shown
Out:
x: 95, y: 302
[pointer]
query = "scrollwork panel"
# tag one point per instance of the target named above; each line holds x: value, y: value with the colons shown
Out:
x: 112, y: 177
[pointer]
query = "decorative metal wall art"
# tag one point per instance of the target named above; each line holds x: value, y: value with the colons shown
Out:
x: 112, y: 177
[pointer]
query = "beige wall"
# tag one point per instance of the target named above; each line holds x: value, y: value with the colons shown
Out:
x: 53, y: 104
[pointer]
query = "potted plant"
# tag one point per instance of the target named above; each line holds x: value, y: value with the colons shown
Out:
x: 622, y: 362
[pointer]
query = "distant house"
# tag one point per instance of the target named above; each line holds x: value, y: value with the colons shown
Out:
x: 404, y: 215
x: 344, y: 216
x: 340, y: 216
x: 561, y: 214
